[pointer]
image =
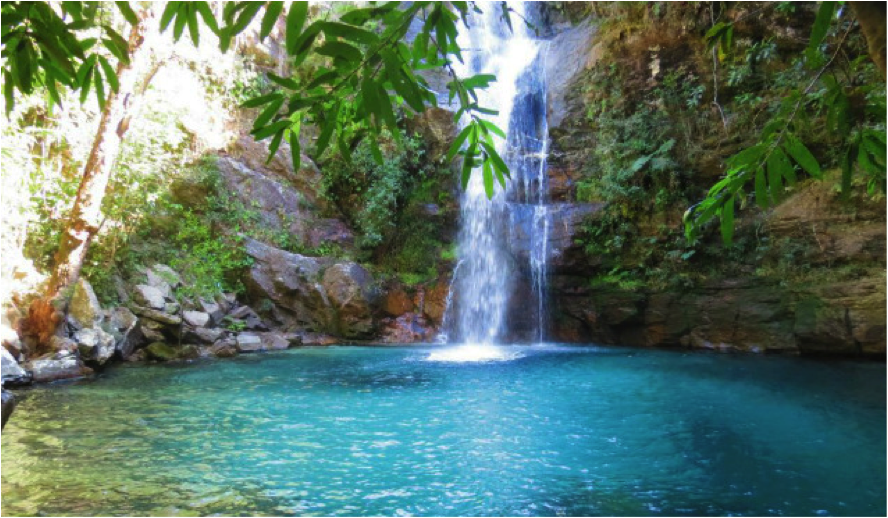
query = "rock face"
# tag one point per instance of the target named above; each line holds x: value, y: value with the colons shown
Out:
x: 8, y: 407
x: 150, y: 296
x: 314, y: 293
x: 61, y: 366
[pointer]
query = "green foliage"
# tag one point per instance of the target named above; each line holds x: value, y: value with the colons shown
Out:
x: 367, y: 76
x: 772, y: 164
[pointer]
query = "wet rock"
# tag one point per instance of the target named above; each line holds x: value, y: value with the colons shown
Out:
x: 224, y: 348
x: 308, y: 338
x: 8, y: 405
x: 435, y: 301
x: 12, y: 372
x: 407, y: 328
x: 149, y: 296
x: 94, y: 344
x: 163, y: 352
x: 58, y: 367
x: 151, y: 330
x: 567, y: 55
x: 351, y: 294
x: 196, y: 318
x: 564, y: 222
x: 275, y: 342
x: 84, y: 308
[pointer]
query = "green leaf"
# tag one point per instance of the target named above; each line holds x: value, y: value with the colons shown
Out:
x: 127, y: 12
x: 775, y: 179
x: 748, y: 157
x: 338, y: 49
x: 110, y: 74
x: 761, y: 189
x: 295, y: 20
x: 119, y: 53
x: 295, y: 149
x: 821, y: 24
x: 496, y: 159
x: 181, y: 20
x: 271, y: 129
x: 269, y: 112
x: 468, y: 163
x: 803, y: 157
x: 778, y: 159
x: 286, y: 82
x: 193, y: 29
x: 330, y: 123
x: 348, y: 32
x: 206, y: 13
x: 259, y: 101
x: 727, y: 221
x: 272, y: 12
x: 168, y: 13
x: 493, y: 128
x: 458, y: 142
x: 273, y: 147
x: 246, y: 15
x: 488, y: 179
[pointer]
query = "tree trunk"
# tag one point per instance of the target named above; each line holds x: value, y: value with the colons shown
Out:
x: 871, y: 17
x: 47, y: 313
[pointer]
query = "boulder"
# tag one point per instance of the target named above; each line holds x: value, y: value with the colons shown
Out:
x: 214, y: 311
x: 274, y: 341
x: 164, y: 278
x: 94, y: 344
x: 171, y: 308
x: 204, y: 335
x: 249, y: 318
x: 149, y: 296
x: 124, y: 326
x: 397, y: 302
x: 350, y: 290
x: 151, y: 330
x: 60, y: 366
x: 196, y: 318
x: 163, y: 352
x: 12, y: 372
x: 248, y: 343
x: 84, y: 308
x: 224, y: 348
x: 8, y: 402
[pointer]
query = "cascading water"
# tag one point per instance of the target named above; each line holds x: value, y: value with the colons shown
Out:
x: 483, y: 282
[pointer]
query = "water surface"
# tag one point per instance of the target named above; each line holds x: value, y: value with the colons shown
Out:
x: 555, y: 430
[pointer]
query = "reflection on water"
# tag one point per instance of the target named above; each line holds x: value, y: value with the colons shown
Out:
x: 557, y: 430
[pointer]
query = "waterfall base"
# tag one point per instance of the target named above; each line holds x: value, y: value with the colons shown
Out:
x: 467, y: 353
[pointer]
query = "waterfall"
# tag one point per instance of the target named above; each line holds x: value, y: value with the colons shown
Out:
x: 488, y: 268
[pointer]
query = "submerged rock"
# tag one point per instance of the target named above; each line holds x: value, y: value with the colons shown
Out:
x: 61, y: 366
x: 163, y: 352
x: 8, y: 402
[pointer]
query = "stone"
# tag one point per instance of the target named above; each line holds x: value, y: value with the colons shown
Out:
x: 171, y: 308
x: 12, y: 372
x: 274, y: 341
x: 435, y: 301
x: 196, y: 318
x: 224, y: 348
x: 160, y: 351
x: 84, y: 307
x: 214, y: 311
x: 248, y: 343
x: 157, y: 316
x: 203, y: 335
x: 350, y: 292
x: 8, y: 405
x: 58, y: 367
x: 149, y: 296
x: 124, y: 326
x: 163, y: 274
x: 151, y: 331
x: 94, y: 344
x: 249, y: 318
